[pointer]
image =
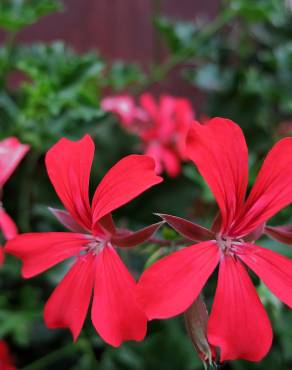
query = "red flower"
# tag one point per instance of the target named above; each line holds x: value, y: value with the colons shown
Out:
x: 162, y: 127
x: 6, y: 360
x: 115, y: 313
x: 11, y: 153
x: 238, y: 323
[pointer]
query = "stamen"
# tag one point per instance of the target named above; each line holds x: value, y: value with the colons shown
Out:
x: 229, y: 245
x: 95, y: 246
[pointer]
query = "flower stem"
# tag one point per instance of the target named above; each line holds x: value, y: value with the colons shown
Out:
x: 50, y: 357
x: 159, y: 72
x: 26, y: 190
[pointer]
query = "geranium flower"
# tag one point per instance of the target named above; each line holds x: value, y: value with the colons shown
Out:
x: 92, y: 239
x: 162, y: 127
x: 238, y: 323
x: 6, y: 360
x: 11, y: 153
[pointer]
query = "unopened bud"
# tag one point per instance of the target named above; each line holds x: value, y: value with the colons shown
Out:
x: 196, y: 320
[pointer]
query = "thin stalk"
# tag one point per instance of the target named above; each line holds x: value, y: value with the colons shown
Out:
x: 9, y: 44
x: 86, y: 346
x: 25, y: 193
x: 159, y: 72
x: 50, y: 357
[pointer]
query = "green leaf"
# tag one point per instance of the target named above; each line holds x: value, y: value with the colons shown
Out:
x: 17, y: 14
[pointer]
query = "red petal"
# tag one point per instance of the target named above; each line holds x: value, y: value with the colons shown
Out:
x: 188, y: 229
x: 107, y: 223
x: 170, y: 286
x: 11, y: 153
x: 68, y: 165
x: 137, y: 237
x: 127, y: 179
x: 116, y: 315
x: 171, y: 162
x: 7, y: 225
x: 219, y: 150
x: 164, y: 158
x: 238, y: 324
x: 272, y: 190
x: 282, y: 234
x: 154, y: 151
x: 67, y: 306
x: 66, y: 220
x: 6, y: 359
x: 40, y: 251
x: 166, y: 124
x: 274, y: 269
x: 216, y: 224
x: 255, y: 234
x: 149, y: 105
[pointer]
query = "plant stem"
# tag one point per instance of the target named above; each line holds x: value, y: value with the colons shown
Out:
x: 9, y: 42
x: 50, y: 357
x: 86, y: 346
x: 8, y: 48
x: 159, y: 72
x: 24, y: 204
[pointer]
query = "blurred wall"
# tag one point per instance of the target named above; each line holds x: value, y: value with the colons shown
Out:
x: 120, y: 29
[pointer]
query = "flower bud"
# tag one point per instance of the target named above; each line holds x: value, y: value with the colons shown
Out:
x: 196, y: 320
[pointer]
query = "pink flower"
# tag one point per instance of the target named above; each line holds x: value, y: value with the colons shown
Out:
x: 162, y: 127
x: 115, y: 313
x: 6, y: 360
x: 238, y: 323
x: 124, y: 106
x: 11, y: 153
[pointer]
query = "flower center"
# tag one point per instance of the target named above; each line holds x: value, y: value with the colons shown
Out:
x: 229, y: 245
x: 95, y: 246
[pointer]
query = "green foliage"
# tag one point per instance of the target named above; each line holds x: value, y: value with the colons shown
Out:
x: 241, y: 61
x: 178, y: 35
x: 245, y: 68
x: 16, y: 14
x: 58, y: 93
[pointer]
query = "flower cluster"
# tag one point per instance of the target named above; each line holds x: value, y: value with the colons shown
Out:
x: 162, y: 127
x: 239, y: 325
